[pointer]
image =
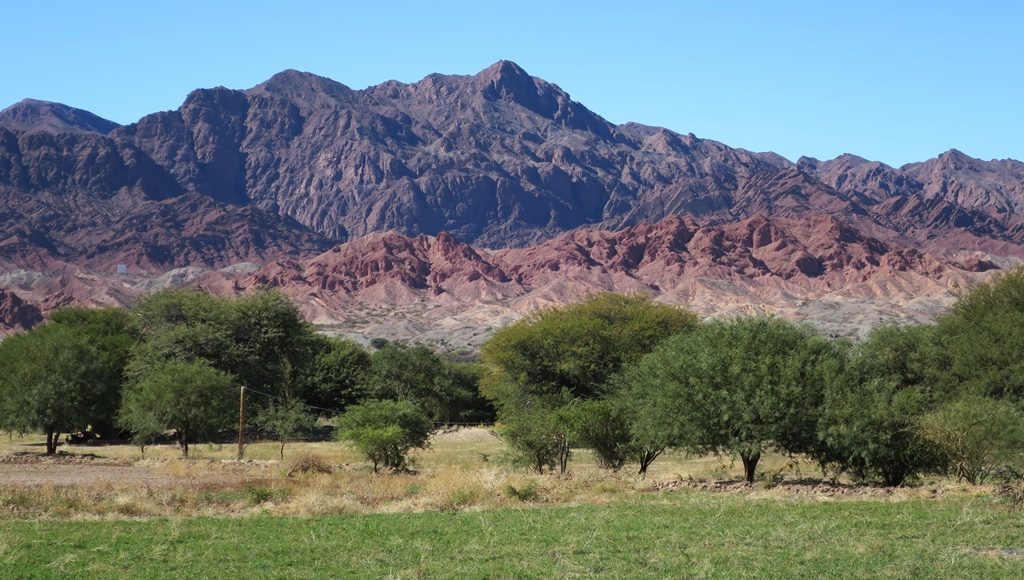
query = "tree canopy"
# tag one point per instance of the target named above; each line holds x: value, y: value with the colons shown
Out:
x: 869, y: 414
x: 192, y: 399
x: 740, y: 386
x: 385, y: 431
x: 54, y: 380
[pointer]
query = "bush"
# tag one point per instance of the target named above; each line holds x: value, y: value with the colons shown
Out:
x: 528, y: 492
x: 307, y: 463
x: 869, y: 419
x: 537, y: 437
x: 602, y: 425
x: 385, y: 431
x: 977, y: 435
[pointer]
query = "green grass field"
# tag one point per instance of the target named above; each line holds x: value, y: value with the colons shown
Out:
x: 678, y: 534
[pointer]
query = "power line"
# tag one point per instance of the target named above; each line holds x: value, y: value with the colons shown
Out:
x: 340, y: 411
x: 335, y: 411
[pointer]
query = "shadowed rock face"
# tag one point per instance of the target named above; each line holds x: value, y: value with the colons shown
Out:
x: 34, y: 115
x: 16, y: 314
x: 501, y: 162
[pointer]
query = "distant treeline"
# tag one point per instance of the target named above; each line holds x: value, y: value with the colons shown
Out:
x: 173, y: 364
x: 629, y: 379
x: 620, y: 375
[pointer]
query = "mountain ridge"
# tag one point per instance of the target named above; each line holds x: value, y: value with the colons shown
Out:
x: 500, y: 161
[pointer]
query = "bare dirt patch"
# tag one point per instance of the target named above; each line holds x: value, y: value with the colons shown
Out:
x: 62, y: 470
x: 816, y: 489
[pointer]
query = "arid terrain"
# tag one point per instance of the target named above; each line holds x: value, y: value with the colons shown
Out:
x: 464, y: 469
x: 442, y: 209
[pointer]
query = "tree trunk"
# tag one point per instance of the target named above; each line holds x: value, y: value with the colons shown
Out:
x: 563, y: 456
x: 282, y: 450
x: 647, y: 458
x: 750, y: 466
x: 52, y: 438
x: 183, y: 443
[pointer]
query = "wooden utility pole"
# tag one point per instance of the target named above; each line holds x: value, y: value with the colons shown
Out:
x: 241, y: 422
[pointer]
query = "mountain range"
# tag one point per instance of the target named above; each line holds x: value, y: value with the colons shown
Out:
x: 444, y: 208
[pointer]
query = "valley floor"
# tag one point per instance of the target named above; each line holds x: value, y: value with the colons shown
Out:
x: 104, y: 512
x: 659, y: 535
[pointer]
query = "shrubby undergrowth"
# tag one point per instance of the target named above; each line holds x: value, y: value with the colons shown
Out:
x: 619, y: 375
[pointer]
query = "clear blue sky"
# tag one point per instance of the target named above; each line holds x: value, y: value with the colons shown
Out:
x: 894, y: 83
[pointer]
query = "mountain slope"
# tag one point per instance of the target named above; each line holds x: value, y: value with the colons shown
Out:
x: 498, y: 159
x: 48, y: 117
x: 494, y: 189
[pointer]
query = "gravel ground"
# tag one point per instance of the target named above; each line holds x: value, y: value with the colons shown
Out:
x: 69, y: 470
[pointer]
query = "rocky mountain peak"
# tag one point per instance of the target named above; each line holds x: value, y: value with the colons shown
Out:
x: 49, y: 117
x: 305, y: 89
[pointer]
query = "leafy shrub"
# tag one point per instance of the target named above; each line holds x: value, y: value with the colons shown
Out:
x: 603, y: 426
x: 385, y: 431
x: 869, y: 419
x: 977, y: 435
x: 262, y: 495
x: 528, y: 492
x: 537, y: 437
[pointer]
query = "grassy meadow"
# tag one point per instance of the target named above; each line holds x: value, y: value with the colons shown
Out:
x: 682, y: 534
x: 465, y: 512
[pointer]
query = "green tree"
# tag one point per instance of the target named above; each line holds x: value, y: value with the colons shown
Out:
x: 385, y: 431
x: 272, y: 341
x: 446, y: 390
x: 981, y: 339
x: 869, y: 419
x: 977, y: 435
x: 193, y: 399
x: 333, y: 376
x: 739, y: 386
x: 539, y: 367
x: 261, y: 339
x: 287, y: 420
x: 53, y: 380
x: 573, y: 351
x: 109, y: 331
x: 182, y: 326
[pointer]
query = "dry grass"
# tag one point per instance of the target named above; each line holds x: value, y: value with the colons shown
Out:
x: 461, y: 470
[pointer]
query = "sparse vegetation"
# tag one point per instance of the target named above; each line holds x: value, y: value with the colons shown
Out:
x: 580, y: 393
x: 287, y: 420
x: 385, y: 431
